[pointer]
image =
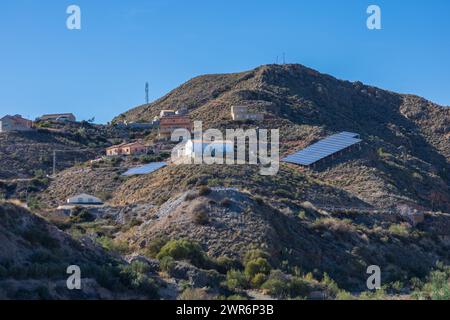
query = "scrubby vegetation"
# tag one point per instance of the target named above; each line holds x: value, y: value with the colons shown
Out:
x: 315, y: 231
x: 42, y: 255
x: 184, y: 250
x: 436, y: 286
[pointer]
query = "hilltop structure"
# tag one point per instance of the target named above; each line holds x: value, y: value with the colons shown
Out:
x: 170, y: 120
x: 15, y: 123
x: 69, y: 117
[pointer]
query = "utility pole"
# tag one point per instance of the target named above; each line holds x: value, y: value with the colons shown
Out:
x: 284, y: 58
x: 54, y: 162
x: 146, y: 93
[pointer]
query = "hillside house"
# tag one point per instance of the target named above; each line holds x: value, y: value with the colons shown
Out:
x: 15, y: 123
x: 131, y: 148
x: 63, y: 117
x: 83, y: 200
x: 240, y: 113
x: 197, y: 148
x: 169, y: 123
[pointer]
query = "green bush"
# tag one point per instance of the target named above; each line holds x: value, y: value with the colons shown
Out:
x: 255, y: 254
x: 399, y: 230
x: 154, y: 247
x: 184, y: 250
x: 167, y: 264
x: 260, y: 265
x: 33, y: 203
x: 135, y: 276
x: 113, y: 245
x: 81, y: 215
x: 282, y: 286
x: 331, y: 287
x: 236, y: 280
x: 139, y: 267
x: 258, y: 280
x: 276, y: 287
x: 437, y: 286
x: 225, y: 264
x: 299, y: 287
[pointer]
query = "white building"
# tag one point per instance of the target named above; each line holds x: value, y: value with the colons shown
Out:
x: 84, y: 199
x: 198, y: 148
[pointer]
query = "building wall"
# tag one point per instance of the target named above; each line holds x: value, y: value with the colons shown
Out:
x: 61, y: 117
x: 169, y: 124
x: 8, y: 124
x: 126, y: 150
x: 135, y: 149
x: 84, y: 200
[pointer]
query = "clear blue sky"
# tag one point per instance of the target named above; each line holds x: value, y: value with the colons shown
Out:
x: 101, y: 70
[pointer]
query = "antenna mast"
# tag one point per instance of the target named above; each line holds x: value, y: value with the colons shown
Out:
x: 146, y: 93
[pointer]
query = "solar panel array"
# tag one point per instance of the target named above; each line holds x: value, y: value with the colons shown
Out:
x: 145, y: 169
x: 323, y: 148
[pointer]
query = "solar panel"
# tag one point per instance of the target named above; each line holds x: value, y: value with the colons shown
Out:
x: 323, y: 148
x: 145, y: 169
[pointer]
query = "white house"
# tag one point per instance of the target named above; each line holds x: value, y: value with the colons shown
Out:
x: 84, y: 199
x: 198, y: 148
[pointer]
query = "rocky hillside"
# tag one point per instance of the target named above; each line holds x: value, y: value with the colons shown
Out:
x: 308, y: 224
x: 229, y: 222
x: 35, y: 255
x: 22, y: 154
x: 406, y: 154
